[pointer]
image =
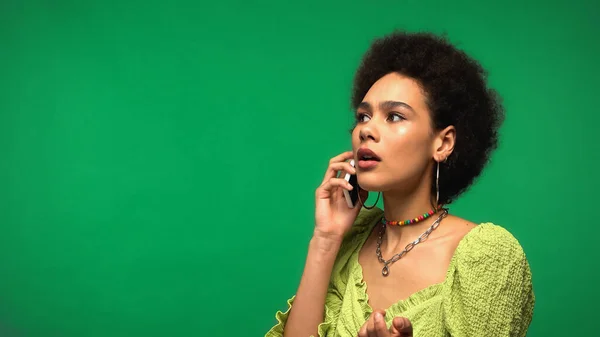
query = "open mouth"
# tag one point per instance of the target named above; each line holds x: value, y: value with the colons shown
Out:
x: 367, y: 155
x: 367, y: 158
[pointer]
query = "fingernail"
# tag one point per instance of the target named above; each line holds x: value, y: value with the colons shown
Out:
x: 378, y: 316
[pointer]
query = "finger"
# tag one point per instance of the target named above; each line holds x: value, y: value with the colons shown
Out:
x: 333, y: 170
x: 343, y: 166
x: 337, y: 182
x: 342, y: 156
x: 402, y: 327
x: 382, y: 312
x: 363, y: 330
x: 380, y: 327
x: 371, y: 326
x: 330, y: 173
x: 374, y: 324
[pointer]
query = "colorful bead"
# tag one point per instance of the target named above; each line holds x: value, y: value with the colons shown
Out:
x: 411, y: 221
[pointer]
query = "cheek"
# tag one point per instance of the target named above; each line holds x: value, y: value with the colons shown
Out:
x: 409, y: 142
x: 403, y: 138
x: 402, y: 131
x: 356, y: 137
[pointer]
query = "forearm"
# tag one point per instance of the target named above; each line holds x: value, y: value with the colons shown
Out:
x: 309, y: 303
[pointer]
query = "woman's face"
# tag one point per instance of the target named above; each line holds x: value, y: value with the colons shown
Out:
x: 394, y: 122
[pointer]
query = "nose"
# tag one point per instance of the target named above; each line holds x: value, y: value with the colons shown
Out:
x: 368, y: 132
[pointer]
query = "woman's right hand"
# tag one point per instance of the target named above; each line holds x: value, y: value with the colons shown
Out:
x: 333, y: 217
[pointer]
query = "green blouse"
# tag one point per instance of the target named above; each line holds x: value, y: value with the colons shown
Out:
x: 487, y: 290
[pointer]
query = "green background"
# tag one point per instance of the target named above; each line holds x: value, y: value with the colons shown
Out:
x: 159, y: 158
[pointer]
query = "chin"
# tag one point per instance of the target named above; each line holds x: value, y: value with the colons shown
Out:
x: 369, y: 184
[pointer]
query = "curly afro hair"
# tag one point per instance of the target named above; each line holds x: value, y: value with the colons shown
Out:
x: 456, y: 94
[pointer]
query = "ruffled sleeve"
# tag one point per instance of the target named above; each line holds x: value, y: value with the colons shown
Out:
x: 490, y: 290
x: 339, y: 276
x: 332, y: 305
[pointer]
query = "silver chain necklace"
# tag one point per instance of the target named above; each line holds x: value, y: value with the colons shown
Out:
x: 386, y: 269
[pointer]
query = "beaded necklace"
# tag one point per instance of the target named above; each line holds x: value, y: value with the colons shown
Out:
x: 411, y: 221
x: 386, y: 263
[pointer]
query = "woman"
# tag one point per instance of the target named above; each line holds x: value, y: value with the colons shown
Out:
x: 426, y: 123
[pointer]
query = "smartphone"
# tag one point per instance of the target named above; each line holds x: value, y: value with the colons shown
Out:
x: 351, y: 196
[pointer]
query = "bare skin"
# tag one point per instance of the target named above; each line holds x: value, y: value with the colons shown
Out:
x: 395, y: 123
x: 424, y: 266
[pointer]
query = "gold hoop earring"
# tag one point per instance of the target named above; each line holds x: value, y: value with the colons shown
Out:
x: 375, y: 204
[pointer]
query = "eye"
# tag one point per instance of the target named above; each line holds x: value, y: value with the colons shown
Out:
x: 396, y: 115
x: 360, y: 117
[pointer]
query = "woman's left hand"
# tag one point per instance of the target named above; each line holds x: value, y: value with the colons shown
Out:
x: 375, y: 326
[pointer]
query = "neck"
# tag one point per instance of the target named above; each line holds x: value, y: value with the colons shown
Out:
x: 400, y: 206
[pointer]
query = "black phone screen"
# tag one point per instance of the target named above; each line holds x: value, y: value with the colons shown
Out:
x: 354, y: 193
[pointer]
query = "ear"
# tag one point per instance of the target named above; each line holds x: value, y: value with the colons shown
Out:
x: 443, y: 144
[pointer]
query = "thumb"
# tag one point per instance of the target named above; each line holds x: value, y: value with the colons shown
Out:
x: 401, y: 327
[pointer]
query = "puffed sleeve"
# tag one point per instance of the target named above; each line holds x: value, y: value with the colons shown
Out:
x: 490, y: 289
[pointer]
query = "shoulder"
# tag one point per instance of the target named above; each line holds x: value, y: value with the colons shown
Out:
x: 489, y: 253
x: 489, y: 241
x: 490, y: 290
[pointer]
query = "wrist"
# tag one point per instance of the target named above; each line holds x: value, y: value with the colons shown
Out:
x: 327, y: 243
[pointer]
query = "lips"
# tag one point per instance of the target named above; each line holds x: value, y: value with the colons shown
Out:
x: 367, y: 155
x: 367, y: 159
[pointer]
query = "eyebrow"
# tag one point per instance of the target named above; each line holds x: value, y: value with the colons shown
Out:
x: 386, y: 105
